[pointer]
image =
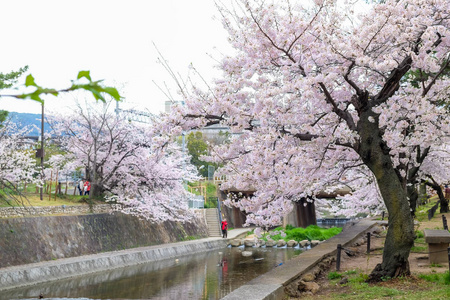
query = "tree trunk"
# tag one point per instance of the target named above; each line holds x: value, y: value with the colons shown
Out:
x: 444, y: 206
x: 413, y: 196
x: 443, y: 202
x: 97, y: 189
x: 305, y: 212
x: 400, y: 236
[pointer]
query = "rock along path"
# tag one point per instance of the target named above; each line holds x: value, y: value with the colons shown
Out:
x: 30, y: 274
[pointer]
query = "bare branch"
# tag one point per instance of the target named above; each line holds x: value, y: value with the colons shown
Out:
x: 433, y: 81
x: 345, y: 115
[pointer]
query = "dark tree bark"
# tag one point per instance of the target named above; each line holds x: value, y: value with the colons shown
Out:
x: 306, y: 213
x: 442, y: 200
x: 400, y: 237
x: 444, y: 205
x: 413, y: 196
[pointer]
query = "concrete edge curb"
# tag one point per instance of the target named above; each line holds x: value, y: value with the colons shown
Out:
x: 240, y: 236
x: 49, y: 271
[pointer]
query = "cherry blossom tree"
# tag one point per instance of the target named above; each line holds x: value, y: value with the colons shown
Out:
x: 16, y: 163
x: 318, y: 88
x: 132, y: 165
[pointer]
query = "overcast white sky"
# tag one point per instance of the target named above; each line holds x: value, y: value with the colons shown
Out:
x: 112, y: 39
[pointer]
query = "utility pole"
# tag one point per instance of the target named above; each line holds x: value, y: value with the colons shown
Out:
x: 42, y: 151
x: 183, y: 149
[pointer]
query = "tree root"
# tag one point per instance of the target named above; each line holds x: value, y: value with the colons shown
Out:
x: 379, y: 274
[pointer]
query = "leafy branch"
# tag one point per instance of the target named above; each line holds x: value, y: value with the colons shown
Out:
x: 97, y: 89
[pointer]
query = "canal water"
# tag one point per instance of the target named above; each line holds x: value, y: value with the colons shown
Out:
x: 209, y: 275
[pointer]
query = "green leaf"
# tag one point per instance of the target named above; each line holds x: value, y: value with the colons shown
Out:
x: 36, y: 95
x: 85, y: 74
x: 29, y: 81
x: 95, y: 89
x: 113, y: 92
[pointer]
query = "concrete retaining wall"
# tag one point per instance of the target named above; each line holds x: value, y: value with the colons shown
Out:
x: 37, y: 239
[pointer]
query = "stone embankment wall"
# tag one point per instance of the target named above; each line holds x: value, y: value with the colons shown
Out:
x: 34, y: 239
x: 8, y: 212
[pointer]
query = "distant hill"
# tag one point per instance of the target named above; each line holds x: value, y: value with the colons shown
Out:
x: 28, y: 120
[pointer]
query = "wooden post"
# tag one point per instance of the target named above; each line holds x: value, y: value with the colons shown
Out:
x: 368, y: 242
x: 338, y: 257
x: 382, y: 216
x: 444, y: 222
x: 56, y: 184
x: 448, y: 253
x: 50, y: 190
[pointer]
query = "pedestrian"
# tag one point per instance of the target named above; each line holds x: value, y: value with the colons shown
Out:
x: 224, y: 228
x: 447, y: 192
x: 87, y: 187
x: 81, y: 187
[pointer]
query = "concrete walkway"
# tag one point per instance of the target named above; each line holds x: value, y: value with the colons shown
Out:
x: 30, y: 274
x: 271, y: 284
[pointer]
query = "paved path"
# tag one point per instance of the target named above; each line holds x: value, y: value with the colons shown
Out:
x: 29, y: 274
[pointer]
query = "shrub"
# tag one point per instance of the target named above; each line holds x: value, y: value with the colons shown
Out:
x: 334, y: 275
x: 312, y: 232
x: 289, y: 227
x: 419, y: 234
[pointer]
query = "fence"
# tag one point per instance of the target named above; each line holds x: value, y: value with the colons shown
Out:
x: 369, y: 249
x: 50, y: 187
x: 196, y: 202
x: 8, y: 212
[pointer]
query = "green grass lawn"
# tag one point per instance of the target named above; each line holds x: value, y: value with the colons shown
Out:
x: 426, y: 286
x: 34, y: 200
x: 422, y: 211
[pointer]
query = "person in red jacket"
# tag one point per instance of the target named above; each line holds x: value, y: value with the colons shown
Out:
x: 87, y: 188
x: 224, y: 228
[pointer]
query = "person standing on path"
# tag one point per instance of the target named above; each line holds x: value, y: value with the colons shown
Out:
x: 447, y: 192
x: 81, y: 187
x: 224, y: 228
x: 87, y: 188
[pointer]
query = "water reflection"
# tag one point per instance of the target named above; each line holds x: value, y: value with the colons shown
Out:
x: 210, y: 275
